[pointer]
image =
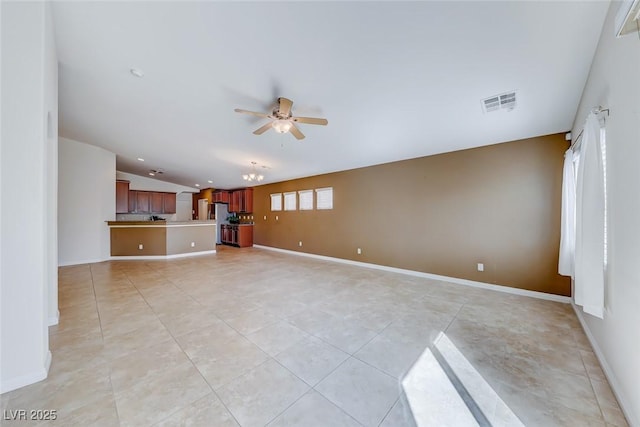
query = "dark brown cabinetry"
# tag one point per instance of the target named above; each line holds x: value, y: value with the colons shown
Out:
x: 237, y: 235
x: 122, y: 196
x: 241, y: 201
x: 157, y: 202
x: 143, y: 204
x: 147, y: 202
x: 169, y: 202
x: 221, y: 196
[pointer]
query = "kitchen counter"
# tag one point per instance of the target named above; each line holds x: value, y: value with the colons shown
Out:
x: 160, y: 223
x: 161, y: 239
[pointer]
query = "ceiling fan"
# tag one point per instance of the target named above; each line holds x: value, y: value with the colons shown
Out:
x: 282, y: 121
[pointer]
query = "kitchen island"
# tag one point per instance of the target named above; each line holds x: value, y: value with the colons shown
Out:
x: 161, y: 239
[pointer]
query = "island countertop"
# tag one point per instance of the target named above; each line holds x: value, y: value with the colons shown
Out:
x: 159, y: 223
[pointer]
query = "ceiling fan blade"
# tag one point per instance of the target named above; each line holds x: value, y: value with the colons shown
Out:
x: 296, y: 132
x: 238, y: 110
x: 285, y: 107
x: 263, y: 129
x: 310, y: 120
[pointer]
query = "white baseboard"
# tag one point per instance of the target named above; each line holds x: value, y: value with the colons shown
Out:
x: 489, y: 286
x: 53, y: 320
x: 80, y: 262
x: 161, y: 257
x: 608, y: 372
x: 25, y: 380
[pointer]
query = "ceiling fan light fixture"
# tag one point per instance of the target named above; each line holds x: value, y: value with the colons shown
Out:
x: 281, y: 126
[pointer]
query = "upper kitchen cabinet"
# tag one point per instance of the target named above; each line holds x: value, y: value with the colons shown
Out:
x: 146, y: 202
x: 221, y: 196
x: 241, y: 201
x: 143, y: 202
x: 157, y: 202
x: 122, y: 196
x: 169, y: 200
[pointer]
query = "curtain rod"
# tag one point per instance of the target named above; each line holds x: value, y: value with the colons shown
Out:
x: 595, y: 110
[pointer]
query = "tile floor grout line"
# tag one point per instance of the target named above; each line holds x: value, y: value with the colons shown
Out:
x: 95, y: 297
x: 390, y: 409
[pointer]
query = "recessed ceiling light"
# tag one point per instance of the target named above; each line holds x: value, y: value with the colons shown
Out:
x: 137, y: 72
x: 197, y: 185
x: 210, y: 182
x: 140, y: 159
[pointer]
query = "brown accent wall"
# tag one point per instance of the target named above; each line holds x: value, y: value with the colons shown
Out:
x: 498, y: 205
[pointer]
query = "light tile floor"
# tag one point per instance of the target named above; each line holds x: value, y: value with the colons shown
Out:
x: 252, y: 337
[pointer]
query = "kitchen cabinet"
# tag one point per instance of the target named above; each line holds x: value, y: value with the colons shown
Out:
x: 157, y: 202
x: 221, y: 196
x: 169, y: 202
x: 143, y: 204
x: 122, y: 196
x: 147, y: 202
x: 133, y: 201
x: 237, y: 235
x: 241, y: 201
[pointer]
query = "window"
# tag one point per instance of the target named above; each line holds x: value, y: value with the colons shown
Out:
x: 306, y: 200
x: 276, y: 202
x: 324, y: 198
x: 290, y: 201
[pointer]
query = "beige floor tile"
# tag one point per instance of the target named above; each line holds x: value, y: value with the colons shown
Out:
x: 224, y: 359
x: 395, y: 357
x: 277, y: 337
x: 208, y: 411
x: 361, y: 391
x: 400, y: 415
x: 312, y: 359
x: 154, y: 399
x: 251, y: 321
x: 313, y: 410
x: 145, y: 365
x: 251, y: 398
x: 119, y: 319
x: 185, y: 320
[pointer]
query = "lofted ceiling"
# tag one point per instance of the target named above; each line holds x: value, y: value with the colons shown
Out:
x: 396, y: 80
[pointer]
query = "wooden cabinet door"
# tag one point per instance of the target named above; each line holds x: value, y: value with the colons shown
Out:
x: 144, y: 202
x: 245, y: 236
x: 157, y: 202
x: 248, y: 200
x: 133, y: 201
x: 169, y: 200
x: 122, y: 197
x: 234, y: 203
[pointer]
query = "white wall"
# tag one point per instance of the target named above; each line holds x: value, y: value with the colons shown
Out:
x: 51, y: 167
x: 27, y: 74
x: 614, y: 83
x: 143, y: 183
x: 86, y: 199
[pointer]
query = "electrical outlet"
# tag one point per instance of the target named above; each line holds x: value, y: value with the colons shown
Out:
x: 300, y: 243
x: 193, y: 244
x: 480, y: 266
x: 140, y: 247
x: 265, y: 217
x: 276, y: 217
x: 359, y: 251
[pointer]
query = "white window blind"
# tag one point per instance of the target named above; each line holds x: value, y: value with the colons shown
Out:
x: 324, y: 198
x: 276, y: 202
x: 306, y: 200
x: 290, y: 201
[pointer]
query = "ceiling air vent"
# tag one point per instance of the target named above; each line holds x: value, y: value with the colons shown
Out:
x: 505, y: 101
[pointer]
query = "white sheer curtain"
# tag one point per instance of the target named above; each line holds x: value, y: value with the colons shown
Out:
x: 568, y: 219
x: 590, y: 243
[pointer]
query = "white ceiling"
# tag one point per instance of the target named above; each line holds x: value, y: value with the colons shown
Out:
x: 395, y: 80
